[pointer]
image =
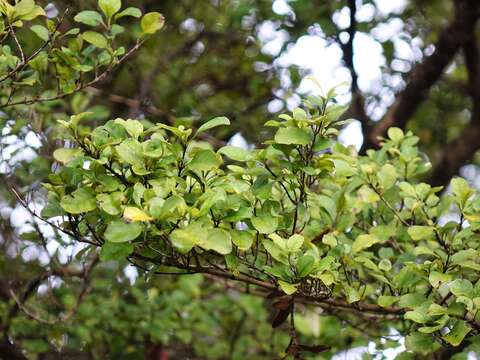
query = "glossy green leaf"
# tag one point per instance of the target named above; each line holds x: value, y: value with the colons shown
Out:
x: 109, y: 7
x: 66, y: 155
x: 130, y: 151
x: 294, y: 243
x: 421, y: 232
x: 40, y: 31
x: 218, y: 240
x: 242, y: 239
x: 305, y: 265
x: 264, y: 223
x: 287, y: 288
x: 387, y: 176
x: 235, y: 153
x: 184, y: 239
x: 119, y: 231
x: 457, y: 333
x: 293, y: 136
x: 115, y: 251
x: 364, y: 241
x: 213, y: 123
x: 95, y: 39
x: 205, y: 160
x: 130, y: 11
x: 80, y: 201
x: 152, y: 22
x: 89, y: 17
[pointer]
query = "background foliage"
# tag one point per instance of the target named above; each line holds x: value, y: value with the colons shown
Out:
x: 207, y: 61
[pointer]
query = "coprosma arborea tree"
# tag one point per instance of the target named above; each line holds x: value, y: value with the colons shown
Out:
x: 354, y: 242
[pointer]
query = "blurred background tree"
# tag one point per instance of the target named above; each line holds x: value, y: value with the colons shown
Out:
x: 412, y: 64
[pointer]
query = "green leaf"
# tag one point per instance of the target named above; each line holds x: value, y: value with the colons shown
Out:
x: 151, y: 23
x: 110, y: 7
x: 293, y: 136
x: 334, y: 112
x: 421, y: 232
x: 218, y: 121
x: 110, y: 203
x: 115, y: 251
x: 88, y: 17
x: 40, y: 31
x: 367, y: 195
x: 218, y: 240
x: 134, y: 214
x: 352, y: 294
x: 205, y: 160
x: 305, y: 265
x: 435, y: 309
x: 130, y: 11
x: 417, y: 316
x: 80, y: 201
x: 387, y: 176
x: 461, y: 190
x: 363, y: 242
x: 457, y: 333
x: 423, y: 250
x: 343, y: 168
x: 385, y: 265
x: 280, y: 242
x: 37, y: 11
x: 130, y: 151
x: 396, y: 134
x: 436, y: 278
x: 294, y: 243
x: 386, y: 301
x: 118, y: 231
x: 235, y: 153
x: 210, y: 198
x: 133, y: 127
x: 440, y: 324
x: 411, y: 300
x: 242, y: 239
x: 66, y: 155
x: 184, y: 239
x: 287, y: 288
x: 95, y: 39
x: 461, y: 287
x: 276, y: 252
x: 299, y: 114
x: 330, y: 240
x: 265, y: 223
x: 161, y: 209
x: 325, y: 263
x: 24, y: 7
x: 421, y: 343
x: 153, y: 148
x: 26, y: 10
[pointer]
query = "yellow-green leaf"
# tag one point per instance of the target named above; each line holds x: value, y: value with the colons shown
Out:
x: 134, y: 214
x: 151, y: 23
x: 95, y: 39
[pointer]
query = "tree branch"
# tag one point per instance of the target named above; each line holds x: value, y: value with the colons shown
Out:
x: 357, y: 106
x: 425, y: 74
x: 467, y: 143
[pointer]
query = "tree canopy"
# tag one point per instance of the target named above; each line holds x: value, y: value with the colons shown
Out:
x: 115, y: 156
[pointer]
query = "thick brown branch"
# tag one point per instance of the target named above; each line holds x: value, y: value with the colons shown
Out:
x: 425, y: 74
x: 462, y: 149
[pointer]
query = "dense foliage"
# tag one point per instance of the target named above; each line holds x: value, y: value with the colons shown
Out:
x: 297, y: 246
x: 301, y: 217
